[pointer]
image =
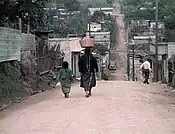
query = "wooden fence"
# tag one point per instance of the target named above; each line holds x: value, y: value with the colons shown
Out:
x: 16, y: 46
x: 48, y: 58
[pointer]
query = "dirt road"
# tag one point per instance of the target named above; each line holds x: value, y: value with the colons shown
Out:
x: 120, y: 36
x: 120, y: 45
x: 115, y: 108
x: 118, y: 74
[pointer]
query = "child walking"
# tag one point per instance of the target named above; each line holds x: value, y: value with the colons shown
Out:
x: 65, y: 79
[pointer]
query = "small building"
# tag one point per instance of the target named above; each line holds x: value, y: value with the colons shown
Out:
x: 95, y: 27
x: 72, y: 51
x: 171, y: 49
x: 144, y: 39
x: 107, y: 11
x: 101, y: 38
x: 143, y: 42
x: 162, y: 49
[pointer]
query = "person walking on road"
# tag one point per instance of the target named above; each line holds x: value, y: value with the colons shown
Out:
x: 65, y: 78
x: 87, y: 67
x: 146, y: 69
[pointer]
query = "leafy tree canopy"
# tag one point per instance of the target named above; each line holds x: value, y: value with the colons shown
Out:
x: 100, y: 48
x: 12, y: 10
x: 145, y: 9
x: 70, y: 5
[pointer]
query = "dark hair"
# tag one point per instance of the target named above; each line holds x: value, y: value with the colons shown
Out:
x: 65, y: 64
x: 87, y: 50
x: 84, y: 35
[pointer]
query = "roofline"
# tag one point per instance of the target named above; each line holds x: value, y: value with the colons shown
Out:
x: 98, y: 32
x: 63, y: 39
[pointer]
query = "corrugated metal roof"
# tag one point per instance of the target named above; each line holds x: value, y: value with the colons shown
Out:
x: 74, y: 44
x: 10, y: 44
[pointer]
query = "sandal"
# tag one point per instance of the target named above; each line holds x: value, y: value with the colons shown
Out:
x: 66, y: 95
x: 87, y: 94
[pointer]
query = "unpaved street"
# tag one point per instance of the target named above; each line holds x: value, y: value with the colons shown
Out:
x: 115, y: 108
x: 120, y: 45
x: 120, y: 37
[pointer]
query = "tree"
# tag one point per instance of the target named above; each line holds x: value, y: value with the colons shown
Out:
x: 97, y: 16
x: 100, y: 48
x: 109, y: 24
x: 144, y: 9
x: 110, y: 2
x: 72, y: 5
x: 24, y: 9
x: 72, y: 24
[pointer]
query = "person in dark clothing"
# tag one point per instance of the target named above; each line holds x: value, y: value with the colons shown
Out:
x: 88, y: 67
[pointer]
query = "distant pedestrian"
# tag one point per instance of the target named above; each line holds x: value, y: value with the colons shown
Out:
x: 65, y: 79
x: 87, y: 67
x: 146, y: 69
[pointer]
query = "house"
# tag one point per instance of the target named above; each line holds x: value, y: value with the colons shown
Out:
x: 144, y: 39
x: 71, y: 49
x: 95, y: 27
x: 171, y: 49
x: 101, y: 37
x: 160, y: 25
x: 107, y: 11
x: 162, y: 49
x: 146, y: 45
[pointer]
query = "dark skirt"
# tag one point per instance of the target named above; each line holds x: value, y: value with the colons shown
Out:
x: 88, y: 81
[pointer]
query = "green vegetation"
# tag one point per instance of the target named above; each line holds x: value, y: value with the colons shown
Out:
x: 12, y: 10
x: 101, y: 49
x: 72, y: 24
x: 109, y: 24
x: 145, y: 9
x: 70, y: 5
x: 10, y: 80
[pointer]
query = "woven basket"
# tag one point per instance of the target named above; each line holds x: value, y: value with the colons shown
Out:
x: 87, y: 42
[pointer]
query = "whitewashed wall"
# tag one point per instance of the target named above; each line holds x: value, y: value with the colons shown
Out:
x: 171, y: 49
x: 68, y: 46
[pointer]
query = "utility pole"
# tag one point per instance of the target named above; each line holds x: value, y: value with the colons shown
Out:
x: 156, y: 41
x: 20, y: 25
x: 128, y: 54
x: 89, y: 23
x: 127, y: 44
x: 133, y: 62
x: 28, y: 26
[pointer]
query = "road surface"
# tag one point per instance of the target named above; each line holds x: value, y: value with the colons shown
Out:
x: 116, y: 107
x: 120, y: 37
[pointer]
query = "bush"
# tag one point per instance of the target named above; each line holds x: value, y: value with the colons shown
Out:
x: 9, y: 79
x: 101, y: 49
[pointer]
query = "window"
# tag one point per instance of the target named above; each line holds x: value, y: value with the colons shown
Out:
x: 105, y: 36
